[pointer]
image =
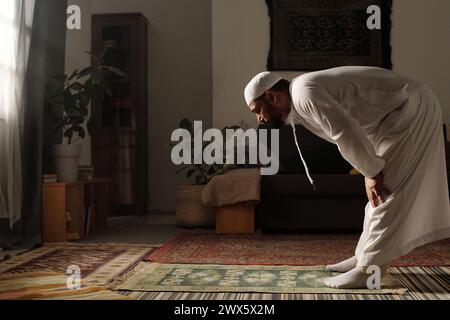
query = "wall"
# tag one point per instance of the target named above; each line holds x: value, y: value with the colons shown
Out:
x: 241, y: 40
x: 203, y: 52
x: 180, y: 77
x: 421, y: 44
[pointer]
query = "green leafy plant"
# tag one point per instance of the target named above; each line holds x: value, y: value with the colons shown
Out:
x: 202, y: 173
x: 70, y: 95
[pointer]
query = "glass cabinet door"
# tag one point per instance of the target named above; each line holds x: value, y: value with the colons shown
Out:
x: 117, y: 108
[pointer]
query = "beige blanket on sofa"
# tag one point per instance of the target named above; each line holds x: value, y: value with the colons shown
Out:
x: 234, y: 186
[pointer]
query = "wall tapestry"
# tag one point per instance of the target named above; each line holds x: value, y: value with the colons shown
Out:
x: 308, y: 35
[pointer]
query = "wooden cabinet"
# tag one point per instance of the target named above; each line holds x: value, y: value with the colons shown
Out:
x: 119, y: 141
x: 67, y: 208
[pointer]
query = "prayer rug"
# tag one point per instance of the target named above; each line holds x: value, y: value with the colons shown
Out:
x: 300, y: 250
x: 50, y: 286
x: 422, y: 284
x: 99, y: 263
x: 238, y: 278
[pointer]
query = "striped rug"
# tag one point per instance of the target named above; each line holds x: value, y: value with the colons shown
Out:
x: 423, y: 283
x: 50, y: 286
x: 99, y: 263
x: 42, y: 273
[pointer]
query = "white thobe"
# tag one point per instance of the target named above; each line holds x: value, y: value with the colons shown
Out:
x: 381, y: 121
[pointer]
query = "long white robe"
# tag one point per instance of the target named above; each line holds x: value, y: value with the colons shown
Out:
x: 382, y: 121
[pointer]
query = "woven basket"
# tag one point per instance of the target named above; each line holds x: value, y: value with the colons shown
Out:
x: 191, y: 213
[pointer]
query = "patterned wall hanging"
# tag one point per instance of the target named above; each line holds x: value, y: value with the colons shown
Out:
x: 308, y: 35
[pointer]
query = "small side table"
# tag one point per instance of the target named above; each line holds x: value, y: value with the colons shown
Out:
x: 235, y: 219
x: 63, y: 200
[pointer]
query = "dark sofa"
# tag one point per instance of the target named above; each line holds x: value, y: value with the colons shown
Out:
x: 289, y: 202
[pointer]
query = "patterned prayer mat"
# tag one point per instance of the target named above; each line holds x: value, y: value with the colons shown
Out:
x: 422, y: 284
x: 301, y: 250
x: 50, y: 286
x: 99, y: 263
x: 238, y: 278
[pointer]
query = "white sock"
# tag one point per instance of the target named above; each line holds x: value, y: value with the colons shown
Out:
x: 353, y: 279
x: 344, y: 266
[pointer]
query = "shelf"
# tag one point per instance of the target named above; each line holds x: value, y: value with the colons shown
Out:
x: 122, y: 118
x: 118, y: 105
x: 58, y: 199
x: 119, y: 48
x: 110, y: 107
x: 120, y: 81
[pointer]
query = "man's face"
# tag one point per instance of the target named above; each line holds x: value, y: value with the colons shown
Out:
x: 267, y: 113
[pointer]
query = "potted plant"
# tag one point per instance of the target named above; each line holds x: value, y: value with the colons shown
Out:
x: 68, y: 102
x: 190, y: 211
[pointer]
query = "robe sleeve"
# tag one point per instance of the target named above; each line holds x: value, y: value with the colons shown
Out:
x: 316, y: 105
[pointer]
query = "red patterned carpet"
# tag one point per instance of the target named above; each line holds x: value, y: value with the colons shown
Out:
x: 301, y: 250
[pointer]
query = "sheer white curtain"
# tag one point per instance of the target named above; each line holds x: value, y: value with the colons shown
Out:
x: 16, y: 19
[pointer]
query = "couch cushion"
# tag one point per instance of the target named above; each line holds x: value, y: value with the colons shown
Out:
x: 299, y: 186
x: 321, y: 156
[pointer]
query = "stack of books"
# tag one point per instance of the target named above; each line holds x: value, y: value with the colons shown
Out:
x: 85, y: 173
x: 50, y: 178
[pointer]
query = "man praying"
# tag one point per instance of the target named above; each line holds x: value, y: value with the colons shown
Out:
x: 389, y: 128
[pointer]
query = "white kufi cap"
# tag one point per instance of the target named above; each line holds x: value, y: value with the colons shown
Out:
x: 259, y: 85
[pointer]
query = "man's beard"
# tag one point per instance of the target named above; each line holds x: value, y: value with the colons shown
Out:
x: 277, y: 123
x: 275, y: 119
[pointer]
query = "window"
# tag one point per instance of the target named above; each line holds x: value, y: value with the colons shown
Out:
x: 16, y: 18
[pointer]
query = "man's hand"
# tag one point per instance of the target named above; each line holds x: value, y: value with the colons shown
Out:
x: 376, y: 192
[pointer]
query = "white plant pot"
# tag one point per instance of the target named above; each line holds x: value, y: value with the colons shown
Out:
x: 66, y: 162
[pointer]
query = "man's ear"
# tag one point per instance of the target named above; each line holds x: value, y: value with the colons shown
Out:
x: 271, y: 96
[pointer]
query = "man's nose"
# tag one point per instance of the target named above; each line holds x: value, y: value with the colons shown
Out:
x: 261, y: 120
